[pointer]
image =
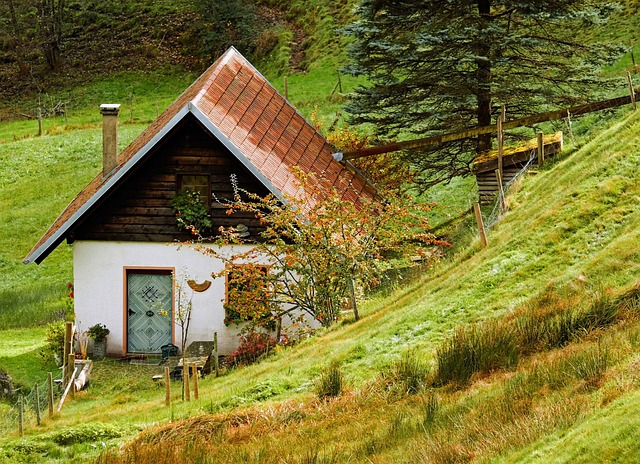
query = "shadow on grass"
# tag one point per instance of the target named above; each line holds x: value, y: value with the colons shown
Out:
x: 27, y: 368
x: 25, y: 307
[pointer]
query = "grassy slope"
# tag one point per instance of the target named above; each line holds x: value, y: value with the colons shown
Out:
x: 574, y: 225
x: 610, y: 435
x: 554, y: 235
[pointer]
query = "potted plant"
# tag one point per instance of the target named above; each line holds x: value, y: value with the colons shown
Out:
x: 98, y: 333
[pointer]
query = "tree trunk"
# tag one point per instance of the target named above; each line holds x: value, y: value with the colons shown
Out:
x: 483, y: 75
x: 17, y: 32
x: 50, y: 13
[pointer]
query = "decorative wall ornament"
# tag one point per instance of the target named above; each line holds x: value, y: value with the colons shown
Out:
x: 196, y: 287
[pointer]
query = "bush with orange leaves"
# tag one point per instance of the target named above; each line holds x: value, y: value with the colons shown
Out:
x: 315, y: 261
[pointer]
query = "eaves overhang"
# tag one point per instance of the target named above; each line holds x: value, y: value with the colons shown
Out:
x: 38, y: 254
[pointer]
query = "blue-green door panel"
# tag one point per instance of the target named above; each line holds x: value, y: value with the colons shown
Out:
x: 149, y: 318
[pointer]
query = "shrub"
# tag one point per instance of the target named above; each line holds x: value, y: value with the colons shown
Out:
x: 331, y: 382
x: 253, y: 345
x: 53, y: 350
x: 227, y: 22
x: 6, y: 385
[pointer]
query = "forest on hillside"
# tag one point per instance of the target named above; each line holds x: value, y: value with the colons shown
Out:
x: 425, y: 67
x: 46, y: 44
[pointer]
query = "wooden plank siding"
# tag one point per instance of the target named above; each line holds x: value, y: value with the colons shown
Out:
x: 140, y: 210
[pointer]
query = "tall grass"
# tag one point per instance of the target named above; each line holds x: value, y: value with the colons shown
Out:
x: 408, y: 374
x: 438, y: 426
x: 499, y: 344
x: 331, y: 382
x: 479, y: 348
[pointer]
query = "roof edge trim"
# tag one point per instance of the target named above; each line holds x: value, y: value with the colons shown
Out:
x: 39, y: 254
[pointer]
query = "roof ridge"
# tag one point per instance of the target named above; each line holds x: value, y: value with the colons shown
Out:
x: 260, y: 127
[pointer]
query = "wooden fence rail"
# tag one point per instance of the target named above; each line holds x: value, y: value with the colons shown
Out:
x: 468, y: 133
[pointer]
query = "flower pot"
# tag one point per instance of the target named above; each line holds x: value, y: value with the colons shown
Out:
x: 99, y: 348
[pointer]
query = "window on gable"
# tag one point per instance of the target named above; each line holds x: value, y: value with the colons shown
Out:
x: 197, y: 183
x: 248, y: 295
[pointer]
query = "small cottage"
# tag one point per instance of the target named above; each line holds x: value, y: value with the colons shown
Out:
x: 127, y: 267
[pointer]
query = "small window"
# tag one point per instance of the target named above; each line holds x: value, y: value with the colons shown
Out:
x: 198, y: 184
x: 248, y: 294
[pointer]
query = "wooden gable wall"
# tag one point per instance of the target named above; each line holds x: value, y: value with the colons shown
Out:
x: 140, y: 208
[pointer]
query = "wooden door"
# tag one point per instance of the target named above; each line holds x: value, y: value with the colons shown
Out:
x: 149, y: 315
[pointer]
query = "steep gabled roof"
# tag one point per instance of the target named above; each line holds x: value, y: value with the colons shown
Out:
x: 239, y: 107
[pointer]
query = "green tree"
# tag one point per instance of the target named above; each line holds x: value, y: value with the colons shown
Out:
x: 37, y: 24
x: 228, y: 22
x: 437, y: 66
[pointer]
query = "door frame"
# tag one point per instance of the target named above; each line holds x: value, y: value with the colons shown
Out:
x: 126, y: 270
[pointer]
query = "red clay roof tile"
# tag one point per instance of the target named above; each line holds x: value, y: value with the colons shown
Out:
x: 256, y: 120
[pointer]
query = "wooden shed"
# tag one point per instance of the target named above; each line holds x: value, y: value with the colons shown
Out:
x: 513, y: 161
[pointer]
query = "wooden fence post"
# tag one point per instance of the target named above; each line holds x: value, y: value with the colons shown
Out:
x: 167, y: 387
x: 68, y: 336
x: 503, y: 206
x: 72, y: 362
x: 196, y: 394
x: 216, y: 364
x: 131, y: 107
x: 39, y: 121
x: 66, y: 390
x: 631, y: 91
x: 21, y: 415
x: 483, y: 235
x: 37, y: 394
x: 185, y: 378
x: 50, y: 379
x: 540, y: 149
x: 500, y: 148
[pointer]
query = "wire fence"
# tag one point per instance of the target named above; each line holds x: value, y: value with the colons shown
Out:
x: 28, y: 409
x: 496, y: 212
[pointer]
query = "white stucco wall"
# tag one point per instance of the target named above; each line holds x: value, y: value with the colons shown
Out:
x: 99, y: 288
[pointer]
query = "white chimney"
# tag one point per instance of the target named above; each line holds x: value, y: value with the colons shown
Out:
x: 109, y: 138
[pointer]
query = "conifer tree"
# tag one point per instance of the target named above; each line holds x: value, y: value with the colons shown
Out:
x: 434, y: 66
